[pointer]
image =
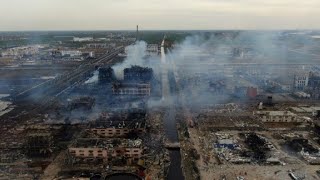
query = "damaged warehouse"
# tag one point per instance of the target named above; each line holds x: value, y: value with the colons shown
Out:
x: 39, y: 144
x: 138, y: 74
x: 119, y: 125
x: 131, y: 89
x: 106, y: 75
x: 107, y: 150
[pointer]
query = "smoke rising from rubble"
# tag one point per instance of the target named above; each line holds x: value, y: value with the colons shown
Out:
x: 136, y: 55
x: 189, y: 60
x: 94, y: 78
x: 194, y: 59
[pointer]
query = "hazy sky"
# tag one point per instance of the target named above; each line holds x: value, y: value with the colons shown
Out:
x: 158, y: 14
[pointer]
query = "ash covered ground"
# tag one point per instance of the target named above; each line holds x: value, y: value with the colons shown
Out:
x: 175, y: 105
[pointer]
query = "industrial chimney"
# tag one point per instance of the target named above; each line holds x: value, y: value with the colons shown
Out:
x: 137, y: 33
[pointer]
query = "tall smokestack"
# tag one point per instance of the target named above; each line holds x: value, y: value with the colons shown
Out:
x: 137, y: 35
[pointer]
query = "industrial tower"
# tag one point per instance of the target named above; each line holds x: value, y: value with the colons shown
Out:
x: 137, y: 33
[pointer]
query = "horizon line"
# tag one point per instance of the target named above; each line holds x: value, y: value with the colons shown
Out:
x: 141, y: 30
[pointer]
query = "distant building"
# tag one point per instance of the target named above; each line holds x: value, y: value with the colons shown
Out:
x: 248, y: 92
x: 241, y: 52
x: 88, y: 54
x: 314, y: 86
x: 240, y: 91
x: 101, y: 45
x: 252, y: 92
x: 301, y: 80
x: 314, y: 81
x: 279, y: 116
x: 283, y: 83
x: 78, y: 39
x: 71, y: 53
x: 153, y: 49
x: 18, y: 52
x: 300, y: 94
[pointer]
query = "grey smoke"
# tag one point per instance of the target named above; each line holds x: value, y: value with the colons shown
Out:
x: 197, y: 54
x: 94, y: 78
x: 135, y: 55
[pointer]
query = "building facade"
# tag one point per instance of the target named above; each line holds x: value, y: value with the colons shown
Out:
x: 279, y: 116
x: 136, y: 89
x: 106, y: 150
x: 301, y: 80
x: 88, y: 152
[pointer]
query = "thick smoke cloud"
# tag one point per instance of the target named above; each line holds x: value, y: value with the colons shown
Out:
x: 196, y: 59
x: 193, y: 64
x: 136, y: 55
x: 193, y: 60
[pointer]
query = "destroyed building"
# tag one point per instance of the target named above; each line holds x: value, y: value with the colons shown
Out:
x: 132, y: 89
x: 137, y: 82
x: 106, y: 75
x: 106, y: 149
x: 300, y: 144
x: 279, y: 116
x: 138, y: 74
x: 85, y: 103
x: 39, y: 144
x: 120, y: 125
x: 258, y: 146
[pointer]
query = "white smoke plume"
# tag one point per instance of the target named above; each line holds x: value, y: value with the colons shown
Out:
x: 194, y: 61
x: 135, y: 56
x: 94, y: 78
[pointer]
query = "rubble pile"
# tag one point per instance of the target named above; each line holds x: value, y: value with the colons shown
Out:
x: 258, y: 146
x: 85, y: 103
x: 301, y: 144
x: 305, y: 149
